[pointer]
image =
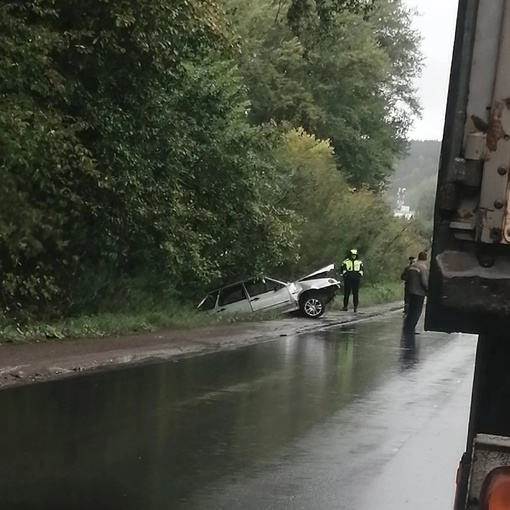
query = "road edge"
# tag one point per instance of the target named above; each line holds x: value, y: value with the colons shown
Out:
x: 160, y: 347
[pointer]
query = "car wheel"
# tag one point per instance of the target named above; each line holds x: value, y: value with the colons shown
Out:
x: 313, y: 306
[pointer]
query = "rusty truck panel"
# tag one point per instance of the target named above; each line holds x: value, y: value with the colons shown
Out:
x: 470, y: 264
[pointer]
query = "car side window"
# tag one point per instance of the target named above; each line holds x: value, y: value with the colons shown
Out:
x: 257, y: 287
x: 210, y: 302
x: 273, y: 285
x: 231, y: 295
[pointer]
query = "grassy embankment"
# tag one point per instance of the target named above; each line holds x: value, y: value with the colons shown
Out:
x: 172, y: 316
x: 381, y: 293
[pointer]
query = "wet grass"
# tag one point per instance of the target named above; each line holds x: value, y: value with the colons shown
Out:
x: 117, y: 324
x: 379, y: 294
x: 375, y: 294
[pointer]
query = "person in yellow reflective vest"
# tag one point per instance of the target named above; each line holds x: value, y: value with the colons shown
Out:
x: 352, y: 271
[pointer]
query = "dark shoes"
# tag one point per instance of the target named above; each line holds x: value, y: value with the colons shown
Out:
x: 344, y: 309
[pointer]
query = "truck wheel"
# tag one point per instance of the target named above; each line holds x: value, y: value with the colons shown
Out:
x: 313, y: 306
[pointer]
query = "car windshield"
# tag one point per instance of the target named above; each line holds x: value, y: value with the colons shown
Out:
x: 209, y: 302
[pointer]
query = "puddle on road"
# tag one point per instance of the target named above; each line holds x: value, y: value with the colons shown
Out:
x: 149, y: 437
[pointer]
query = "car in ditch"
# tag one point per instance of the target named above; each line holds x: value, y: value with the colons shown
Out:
x: 309, y: 294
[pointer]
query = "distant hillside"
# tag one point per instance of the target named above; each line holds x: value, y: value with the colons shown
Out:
x: 417, y: 172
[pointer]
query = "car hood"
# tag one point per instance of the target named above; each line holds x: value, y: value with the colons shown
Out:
x: 320, y: 273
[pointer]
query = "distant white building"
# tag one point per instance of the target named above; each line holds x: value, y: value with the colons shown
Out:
x: 402, y: 210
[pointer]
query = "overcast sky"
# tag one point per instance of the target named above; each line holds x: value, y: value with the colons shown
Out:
x: 436, y: 23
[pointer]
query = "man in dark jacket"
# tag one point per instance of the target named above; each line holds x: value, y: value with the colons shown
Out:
x: 418, y: 282
x: 403, y: 277
x: 352, y: 271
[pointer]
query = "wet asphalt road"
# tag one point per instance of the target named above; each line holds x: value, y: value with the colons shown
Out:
x: 355, y: 418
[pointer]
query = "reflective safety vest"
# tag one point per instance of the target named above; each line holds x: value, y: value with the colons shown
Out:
x: 352, y: 266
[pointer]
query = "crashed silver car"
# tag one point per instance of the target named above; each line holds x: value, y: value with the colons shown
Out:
x: 310, y: 295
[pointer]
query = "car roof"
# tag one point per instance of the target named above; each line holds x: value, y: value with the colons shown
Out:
x: 309, y: 276
x: 244, y: 281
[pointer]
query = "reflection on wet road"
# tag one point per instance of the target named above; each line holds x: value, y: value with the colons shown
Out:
x: 358, y: 418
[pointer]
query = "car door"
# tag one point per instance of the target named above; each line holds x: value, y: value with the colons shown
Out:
x: 233, y: 299
x: 267, y: 293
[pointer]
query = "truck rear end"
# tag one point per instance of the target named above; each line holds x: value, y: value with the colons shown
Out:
x: 470, y: 263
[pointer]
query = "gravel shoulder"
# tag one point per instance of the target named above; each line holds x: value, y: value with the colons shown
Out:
x: 29, y: 363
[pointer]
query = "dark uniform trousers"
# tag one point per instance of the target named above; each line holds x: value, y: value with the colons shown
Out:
x: 414, y: 310
x: 351, y: 285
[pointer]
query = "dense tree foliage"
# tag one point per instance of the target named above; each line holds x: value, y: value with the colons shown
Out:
x: 157, y: 144
x: 125, y: 148
x: 351, y: 85
x: 339, y: 217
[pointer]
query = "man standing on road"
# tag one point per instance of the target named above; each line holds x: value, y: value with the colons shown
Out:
x: 352, y: 271
x: 404, y: 277
x: 418, y: 281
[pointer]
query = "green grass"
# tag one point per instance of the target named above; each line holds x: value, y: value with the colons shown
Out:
x: 172, y: 316
x: 376, y: 294
x: 382, y: 293
x: 115, y: 324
